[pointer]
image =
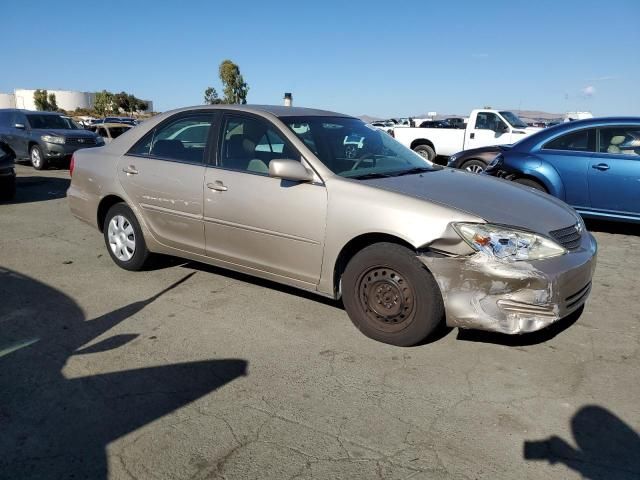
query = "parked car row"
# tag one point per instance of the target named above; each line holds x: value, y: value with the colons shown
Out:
x: 326, y: 203
x: 593, y: 165
x: 485, y: 127
x: 43, y: 138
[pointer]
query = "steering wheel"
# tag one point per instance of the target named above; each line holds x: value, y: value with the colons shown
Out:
x: 362, y: 158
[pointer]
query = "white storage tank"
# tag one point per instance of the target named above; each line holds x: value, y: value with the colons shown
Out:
x: 7, y: 100
x: 65, y: 99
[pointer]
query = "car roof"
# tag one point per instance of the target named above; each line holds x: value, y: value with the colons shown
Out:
x: 29, y: 111
x: 277, y: 110
x: 567, y: 127
x: 115, y: 124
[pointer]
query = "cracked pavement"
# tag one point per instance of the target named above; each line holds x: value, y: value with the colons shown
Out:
x: 116, y: 382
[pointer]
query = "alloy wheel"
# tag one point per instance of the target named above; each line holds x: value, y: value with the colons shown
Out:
x: 474, y: 169
x: 36, y: 158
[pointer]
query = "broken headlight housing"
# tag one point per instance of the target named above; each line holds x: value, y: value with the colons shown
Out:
x: 507, y: 243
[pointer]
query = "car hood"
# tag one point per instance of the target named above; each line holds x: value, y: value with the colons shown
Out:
x: 65, y: 132
x: 494, y: 200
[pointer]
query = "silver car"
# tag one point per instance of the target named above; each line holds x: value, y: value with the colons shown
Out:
x: 326, y: 203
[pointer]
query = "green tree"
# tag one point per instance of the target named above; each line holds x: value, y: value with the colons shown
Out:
x: 103, y: 103
x: 53, y: 105
x: 41, y: 100
x: 211, y: 96
x: 235, y: 88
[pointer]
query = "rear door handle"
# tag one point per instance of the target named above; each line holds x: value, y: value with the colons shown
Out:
x: 601, y: 166
x: 130, y: 170
x: 218, y: 186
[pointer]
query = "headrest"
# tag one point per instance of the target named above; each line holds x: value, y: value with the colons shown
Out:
x: 240, y: 146
x: 167, y: 148
x: 617, y: 140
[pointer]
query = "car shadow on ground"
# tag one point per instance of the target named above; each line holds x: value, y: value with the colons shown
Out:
x: 619, y: 228
x: 606, y: 447
x: 260, y: 282
x: 523, y: 340
x: 38, y: 189
x: 58, y: 426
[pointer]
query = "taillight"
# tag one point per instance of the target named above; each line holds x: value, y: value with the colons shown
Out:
x: 72, y: 164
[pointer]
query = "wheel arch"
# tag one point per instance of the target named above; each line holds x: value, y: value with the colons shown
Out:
x: 355, y: 245
x: 103, y: 207
x: 423, y: 141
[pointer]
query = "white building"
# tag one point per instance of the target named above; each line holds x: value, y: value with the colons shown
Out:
x: 68, y: 100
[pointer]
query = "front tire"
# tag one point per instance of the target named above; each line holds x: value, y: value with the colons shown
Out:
x: 474, y: 166
x: 390, y: 296
x: 123, y: 238
x: 531, y: 183
x: 37, y: 158
x: 425, y: 151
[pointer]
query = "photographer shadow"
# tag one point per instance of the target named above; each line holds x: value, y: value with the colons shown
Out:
x: 607, y: 448
x: 59, y: 426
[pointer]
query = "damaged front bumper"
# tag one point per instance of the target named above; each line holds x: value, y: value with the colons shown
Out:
x: 483, y: 293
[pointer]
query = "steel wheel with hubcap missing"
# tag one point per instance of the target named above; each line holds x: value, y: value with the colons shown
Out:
x: 390, y: 295
x: 124, y: 239
x: 387, y: 298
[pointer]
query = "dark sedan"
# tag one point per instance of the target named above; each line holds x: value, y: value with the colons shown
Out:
x: 7, y: 173
x: 593, y: 165
x: 476, y: 160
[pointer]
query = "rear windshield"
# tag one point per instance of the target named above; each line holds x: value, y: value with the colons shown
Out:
x: 57, y: 122
x: 117, y: 131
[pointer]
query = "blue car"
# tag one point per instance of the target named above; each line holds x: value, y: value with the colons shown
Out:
x: 593, y: 165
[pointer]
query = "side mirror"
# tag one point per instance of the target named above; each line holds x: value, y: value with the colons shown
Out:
x: 19, y: 126
x: 288, y: 169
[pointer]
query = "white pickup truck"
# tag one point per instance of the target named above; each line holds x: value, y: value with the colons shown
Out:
x: 484, y: 128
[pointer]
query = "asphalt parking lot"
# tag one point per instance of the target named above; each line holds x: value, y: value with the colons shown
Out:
x: 187, y: 371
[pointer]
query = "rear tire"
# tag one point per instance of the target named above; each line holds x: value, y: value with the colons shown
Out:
x: 530, y: 183
x: 123, y: 238
x: 474, y: 166
x: 37, y: 158
x: 425, y: 151
x: 390, y: 296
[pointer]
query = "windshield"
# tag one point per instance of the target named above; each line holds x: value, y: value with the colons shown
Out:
x: 514, y: 120
x: 56, y: 122
x: 350, y: 148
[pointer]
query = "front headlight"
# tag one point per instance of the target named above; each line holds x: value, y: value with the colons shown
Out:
x: 52, y: 139
x: 506, y: 243
x: 496, y: 162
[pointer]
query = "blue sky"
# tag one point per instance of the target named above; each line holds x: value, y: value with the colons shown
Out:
x: 382, y: 58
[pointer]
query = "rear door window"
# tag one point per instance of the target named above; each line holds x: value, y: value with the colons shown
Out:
x: 580, y: 141
x: 182, y: 139
x: 620, y: 140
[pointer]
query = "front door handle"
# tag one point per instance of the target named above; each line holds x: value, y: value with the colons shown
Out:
x: 218, y: 186
x: 130, y: 170
x: 601, y: 166
x: 473, y: 135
